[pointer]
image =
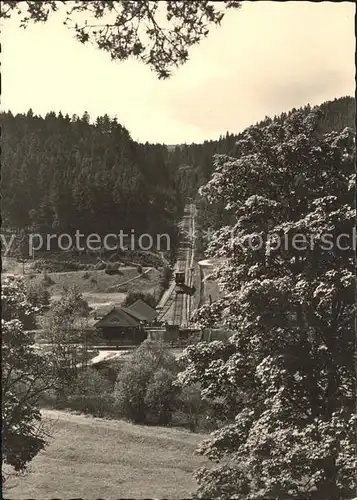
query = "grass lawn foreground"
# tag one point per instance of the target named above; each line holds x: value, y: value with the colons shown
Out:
x: 96, y: 458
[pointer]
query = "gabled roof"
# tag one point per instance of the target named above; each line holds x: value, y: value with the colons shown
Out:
x: 118, y: 317
x: 134, y: 314
x: 142, y: 308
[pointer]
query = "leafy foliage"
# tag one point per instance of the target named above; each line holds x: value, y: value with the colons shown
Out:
x: 38, y: 295
x: 91, y: 393
x: 286, y: 378
x: 145, y: 389
x: 333, y: 115
x: 158, y: 34
x: 70, y: 307
x: 15, y: 303
x: 65, y: 330
x: 22, y: 379
x: 191, y: 404
x: 166, y: 277
x: 134, y: 296
x: 160, y: 397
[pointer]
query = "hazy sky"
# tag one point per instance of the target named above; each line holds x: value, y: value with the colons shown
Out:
x: 266, y: 58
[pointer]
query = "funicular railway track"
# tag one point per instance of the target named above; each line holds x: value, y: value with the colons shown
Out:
x: 178, y: 310
x: 175, y: 308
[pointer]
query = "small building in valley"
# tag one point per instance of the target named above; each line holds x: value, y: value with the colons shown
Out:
x: 146, y: 311
x: 126, y: 325
x: 121, y: 327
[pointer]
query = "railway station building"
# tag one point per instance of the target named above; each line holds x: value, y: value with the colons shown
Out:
x: 126, y: 325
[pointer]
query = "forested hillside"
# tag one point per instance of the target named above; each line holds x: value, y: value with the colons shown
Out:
x: 332, y: 116
x: 65, y: 173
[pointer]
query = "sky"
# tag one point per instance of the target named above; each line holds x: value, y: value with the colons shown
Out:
x: 265, y: 58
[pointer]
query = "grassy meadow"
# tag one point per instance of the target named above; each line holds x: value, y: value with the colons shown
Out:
x: 95, y: 458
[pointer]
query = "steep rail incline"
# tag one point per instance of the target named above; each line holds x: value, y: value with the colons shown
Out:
x: 174, y: 308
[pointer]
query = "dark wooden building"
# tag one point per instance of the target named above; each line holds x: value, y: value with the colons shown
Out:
x: 147, y: 312
x: 126, y: 325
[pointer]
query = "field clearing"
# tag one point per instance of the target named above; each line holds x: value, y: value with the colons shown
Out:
x: 97, y: 300
x: 10, y: 265
x: 96, y: 458
x: 97, y: 283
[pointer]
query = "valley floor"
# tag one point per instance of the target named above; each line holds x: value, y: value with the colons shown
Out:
x: 96, y: 458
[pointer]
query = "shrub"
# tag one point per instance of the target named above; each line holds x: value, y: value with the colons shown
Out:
x: 166, y: 277
x: 23, y: 378
x: 86, y: 275
x: 160, y: 398
x: 142, y: 379
x: 85, y: 267
x: 110, y: 369
x: 49, y: 399
x: 47, y: 280
x: 112, y: 268
x: 134, y: 296
x: 39, y: 265
x: 54, y: 266
x: 190, y: 403
x: 91, y: 393
x: 130, y: 392
x: 38, y: 295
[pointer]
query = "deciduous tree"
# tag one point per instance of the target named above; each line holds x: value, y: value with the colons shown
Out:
x: 23, y: 379
x: 145, y: 392
x: 287, y: 374
x: 65, y: 331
